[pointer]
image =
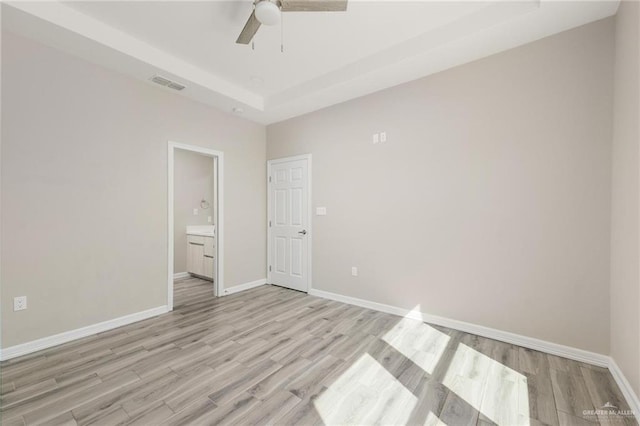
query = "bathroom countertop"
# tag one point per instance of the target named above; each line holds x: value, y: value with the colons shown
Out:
x: 202, y: 230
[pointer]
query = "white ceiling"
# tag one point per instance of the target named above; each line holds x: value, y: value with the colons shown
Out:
x: 328, y: 57
x: 204, y: 34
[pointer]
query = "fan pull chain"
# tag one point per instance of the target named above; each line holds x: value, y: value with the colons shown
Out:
x: 253, y: 46
x: 281, y: 33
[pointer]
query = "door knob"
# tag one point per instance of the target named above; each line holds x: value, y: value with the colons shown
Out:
x: 303, y: 232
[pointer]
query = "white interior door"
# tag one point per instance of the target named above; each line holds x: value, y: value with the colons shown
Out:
x: 289, y: 230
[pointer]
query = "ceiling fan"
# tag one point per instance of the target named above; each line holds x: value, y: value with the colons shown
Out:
x: 267, y: 12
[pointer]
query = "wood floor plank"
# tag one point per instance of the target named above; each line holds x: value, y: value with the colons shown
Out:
x: 38, y: 374
x: 570, y: 393
x: 566, y: 419
x: 115, y: 417
x: 31, y: 404
x: 431, y: 396
x: 16, y: 421
x: 279, y: 379
x: 153, y: 415
x: 313, y: 378
x: 65, y: 419
x: 532, y: 362
x: 233, y: 384
x: 604, y: 392
x: 25, y: 393
x: 305, y: 412
x: 352, y: 347
x: 235, y: 408
x: 270, y: 410
x: 183, y: 395
x: 7, y: 387
x: 76, y: 399
x: 456, y: 411
x: 486, y: 421
x: 323, y: 346
x: 192, y: 414
x: 542, y: 406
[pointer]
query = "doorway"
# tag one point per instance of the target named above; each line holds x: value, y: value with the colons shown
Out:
x: 204, y: 231
x: 289, y: 222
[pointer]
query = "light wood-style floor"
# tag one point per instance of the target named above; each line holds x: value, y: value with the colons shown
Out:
x: 276, y: 356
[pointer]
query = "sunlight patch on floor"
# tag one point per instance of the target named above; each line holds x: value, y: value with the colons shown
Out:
x: 493, y: 389
x: 366, y: 394
x: 433, y: 420
x: 418, y: 341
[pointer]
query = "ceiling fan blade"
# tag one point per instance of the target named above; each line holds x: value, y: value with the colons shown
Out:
x: 313, y: 5
x: 249, y: 30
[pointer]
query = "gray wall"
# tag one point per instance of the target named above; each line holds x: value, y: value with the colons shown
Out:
x: 193, y: 180
x: 490, y: 202
x: 84, y: 190
x: 625, y: 229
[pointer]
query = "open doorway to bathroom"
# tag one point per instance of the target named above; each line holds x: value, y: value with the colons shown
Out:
x: 195, y: 212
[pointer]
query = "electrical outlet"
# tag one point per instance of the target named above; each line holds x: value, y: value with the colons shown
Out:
x: 195, y: 212
x: 354, y: 271
x: 19, y: 303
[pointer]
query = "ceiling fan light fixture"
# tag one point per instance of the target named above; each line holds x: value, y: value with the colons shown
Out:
x: 267, y: 12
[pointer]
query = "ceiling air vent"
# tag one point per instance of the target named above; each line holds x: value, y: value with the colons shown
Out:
x: 166, y: 82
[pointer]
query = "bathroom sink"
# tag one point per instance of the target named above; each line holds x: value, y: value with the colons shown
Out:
x: 202, y: 230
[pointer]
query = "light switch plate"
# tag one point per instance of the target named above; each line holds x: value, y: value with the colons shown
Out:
x: 209, y: 219
x: 383, y: 136
x: 354, y: 271
x: 321, y: 211
x: 195, y: 212
x: 376, y: 137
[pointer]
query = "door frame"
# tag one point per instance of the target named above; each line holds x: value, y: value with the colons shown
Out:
x: 219, y: 275
x: 309, y: 239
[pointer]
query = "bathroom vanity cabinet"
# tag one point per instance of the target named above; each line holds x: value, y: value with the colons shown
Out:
x: 201, y: 256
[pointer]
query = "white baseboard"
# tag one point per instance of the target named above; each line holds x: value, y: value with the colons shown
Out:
x: 625, y: 387
x: 245, y: 286
x: 68, y: 336
x: 179, y: 275
x: 491, y: 333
